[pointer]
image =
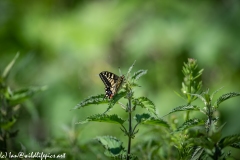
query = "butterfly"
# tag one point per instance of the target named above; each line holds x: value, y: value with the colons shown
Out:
x: 112, y: 83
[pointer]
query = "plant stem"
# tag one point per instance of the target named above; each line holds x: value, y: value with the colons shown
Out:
x: 189, y: 96
x: 209, y: 121
x: 130, y: 128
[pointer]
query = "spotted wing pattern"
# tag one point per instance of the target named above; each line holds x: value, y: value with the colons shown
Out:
x: 112, y: 83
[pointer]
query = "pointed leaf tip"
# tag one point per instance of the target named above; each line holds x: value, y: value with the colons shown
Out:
x: 138, y: 74
x: 9, y: 66
x: 99, y: 99
x: 226, y: 96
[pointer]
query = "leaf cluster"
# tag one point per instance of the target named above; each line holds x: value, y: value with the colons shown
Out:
x: 195, y: 139
x: 202, y: 137
x: 10, y: 105
x: 113, y: 146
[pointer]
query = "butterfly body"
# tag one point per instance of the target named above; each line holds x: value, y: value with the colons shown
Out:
x: 112, y: 83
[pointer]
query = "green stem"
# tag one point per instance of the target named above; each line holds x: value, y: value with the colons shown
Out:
x: 189, y: 96
x: 130, y: 128
x: 209, y: 121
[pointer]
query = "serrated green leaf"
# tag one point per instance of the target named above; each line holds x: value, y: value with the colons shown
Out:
x: 229, y: 140
x: 9, y: 66
x: 113, y: 146
x: 148, y: 119
x: 115, y: 99
x: 139, y: 118
x: 104, y: 118
x: 226, y: 96
x: 146, y: 103
x: 19, y: 96
x: 235, y: 145
x: 99, y: 99
x: 200, y: 97
x: 138, y: 74
x: 211, y: 97
x: 190, y: 123
x: 197, y: 153
x: 130, y: 68
x: 185, y: 108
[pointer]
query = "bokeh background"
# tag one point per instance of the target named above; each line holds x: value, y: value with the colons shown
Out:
x: 65, y: 45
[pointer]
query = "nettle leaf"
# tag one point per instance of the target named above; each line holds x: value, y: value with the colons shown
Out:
x: 19, y: 96
x: 130, y: 68
x: 146, y: 103
x: 226, y: 96
x: 212, y: 95
x: 235, y: 145
x: 197, y: 153
x: 185, y: 108
x: 200, y: 97
x: 229, y: 140
x: 139, y: 118
x: 138, y: 74
x: 99, y: 99
x: 190, y: 123
x: 115, y: 99
x: 9, y: 66
x: 146, y: 118
x: 113, y: 146
x: 104, y: 118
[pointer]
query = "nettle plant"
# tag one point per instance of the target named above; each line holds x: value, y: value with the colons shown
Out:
x: 196, y: 138
x: 10, y: 104
x: 114, y: 147
x: 200, y: 138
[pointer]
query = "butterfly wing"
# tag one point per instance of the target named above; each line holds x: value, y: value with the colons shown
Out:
x: 112, y: 83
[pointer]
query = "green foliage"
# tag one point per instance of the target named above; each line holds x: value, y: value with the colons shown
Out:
x: 229, y: 141
x: 9, y: 67
x: 115, y: 99
x: 138, y: 74
x: 147, y: 119
x: 104, y: 118
x: 208, y: 144
x: 225, y: 97
x: 195, y: 139
x: 146, y: 103
x: 99, y: 99
x: 191, y: 83
x: 185, y: 108
x: 190, y: 123
x: 10, y: 104
x: 112, y: 145
x: 19, y: 96
x: 159, y: 34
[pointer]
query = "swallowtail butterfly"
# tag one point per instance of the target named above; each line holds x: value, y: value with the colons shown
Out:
x: 112, y: 83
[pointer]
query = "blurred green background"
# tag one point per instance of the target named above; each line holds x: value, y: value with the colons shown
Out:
x: 66, y: 44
